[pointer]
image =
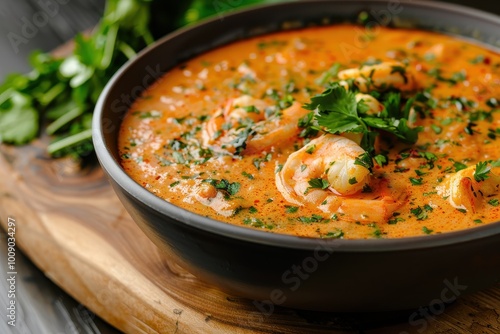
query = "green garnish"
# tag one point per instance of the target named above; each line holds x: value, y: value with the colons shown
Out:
x: 426, y: 230
x: 365, y: 160
x: 231, y: 188
x: 415, y: 181
x: 291, y: 209
x: 421, y: 213
x: 63, y: 92
x: 459, y: 166
x: 337, y: 234
x: 339, y: 112
x: 482, y: 171
x: 318, y: 183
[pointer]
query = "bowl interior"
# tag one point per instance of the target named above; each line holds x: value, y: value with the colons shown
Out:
x: 152, y: 63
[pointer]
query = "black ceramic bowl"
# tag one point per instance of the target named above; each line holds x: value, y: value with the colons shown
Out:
x: 329, y: 275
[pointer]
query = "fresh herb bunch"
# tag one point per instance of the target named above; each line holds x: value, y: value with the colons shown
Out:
x: 62, y: 92
x: 59, y: 94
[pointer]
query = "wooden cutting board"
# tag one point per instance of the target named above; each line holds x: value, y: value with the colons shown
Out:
x: 73, y: 227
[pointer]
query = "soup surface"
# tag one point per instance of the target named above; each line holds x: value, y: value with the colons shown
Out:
x: 329, y: 132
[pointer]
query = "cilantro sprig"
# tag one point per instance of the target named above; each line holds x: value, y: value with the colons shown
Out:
x: 62, y: 92
x: 337, y: 111
x: 482, y: 171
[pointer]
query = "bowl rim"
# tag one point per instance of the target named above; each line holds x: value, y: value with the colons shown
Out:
x: 193, y: 220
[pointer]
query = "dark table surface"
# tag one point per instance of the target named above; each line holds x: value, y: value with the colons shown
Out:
x: 45, y: 308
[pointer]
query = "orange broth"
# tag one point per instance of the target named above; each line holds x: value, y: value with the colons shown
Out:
x: 162, y: 148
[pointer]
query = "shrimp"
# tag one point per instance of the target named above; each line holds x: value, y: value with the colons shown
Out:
x: 237, y: 110
x: 465, y: 193
x: 374, y: 106
x: 244, y: 120
x: 331, y: 159
x: 380, y: 77
x: 444, y: 52
x: 277, y: 130
x: 207, y: 195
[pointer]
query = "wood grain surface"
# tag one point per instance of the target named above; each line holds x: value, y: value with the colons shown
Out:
x: 73, y: 227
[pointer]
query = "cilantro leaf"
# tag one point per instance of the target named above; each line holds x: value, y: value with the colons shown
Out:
x: 231, y: 188
x: 19, y: 121
x: 482, y: 171
x: 329, y: 74
x: 335, y: 99
x: 381, y: 160
x: 318, y: 183
x: 392, y: 105
x: 337, y: 111
x: 365, y: 160
x: 459, y: 166
x: 65, y: 90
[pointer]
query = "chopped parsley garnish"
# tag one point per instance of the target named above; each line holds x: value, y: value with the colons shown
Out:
x: 415, y: 181
x: 459, y: 166
x: 353, y: 180
x: 318, y: 183
x: 421, y: 213
x: 477, y: 60
x: 364, y: 160
x: 381, y: 159
x: 426, y: 230
x: 493, y: 202
x: 419, y: 172
x: 311, y: 149
x: 247, y: 175
x: 337, y: 234
x: 291, y: 209
x: 437, y: 129
x: 395, y: 220
x: 230, y: 187
x: 308, y: 126
x: 313, y: 219
x: 256, y: 222
x: 251, y: 109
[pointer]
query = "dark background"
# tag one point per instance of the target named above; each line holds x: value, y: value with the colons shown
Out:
x: 45, y: 307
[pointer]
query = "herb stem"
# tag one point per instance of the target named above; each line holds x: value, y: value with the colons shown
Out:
x: 64, y: 119
x: 127, y: 50
x: 109, y: 46
x: 6, y: 95
x: 69, y: 141
x: 48, y: 97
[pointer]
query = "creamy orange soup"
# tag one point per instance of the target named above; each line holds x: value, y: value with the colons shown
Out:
x: 312, y: 133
